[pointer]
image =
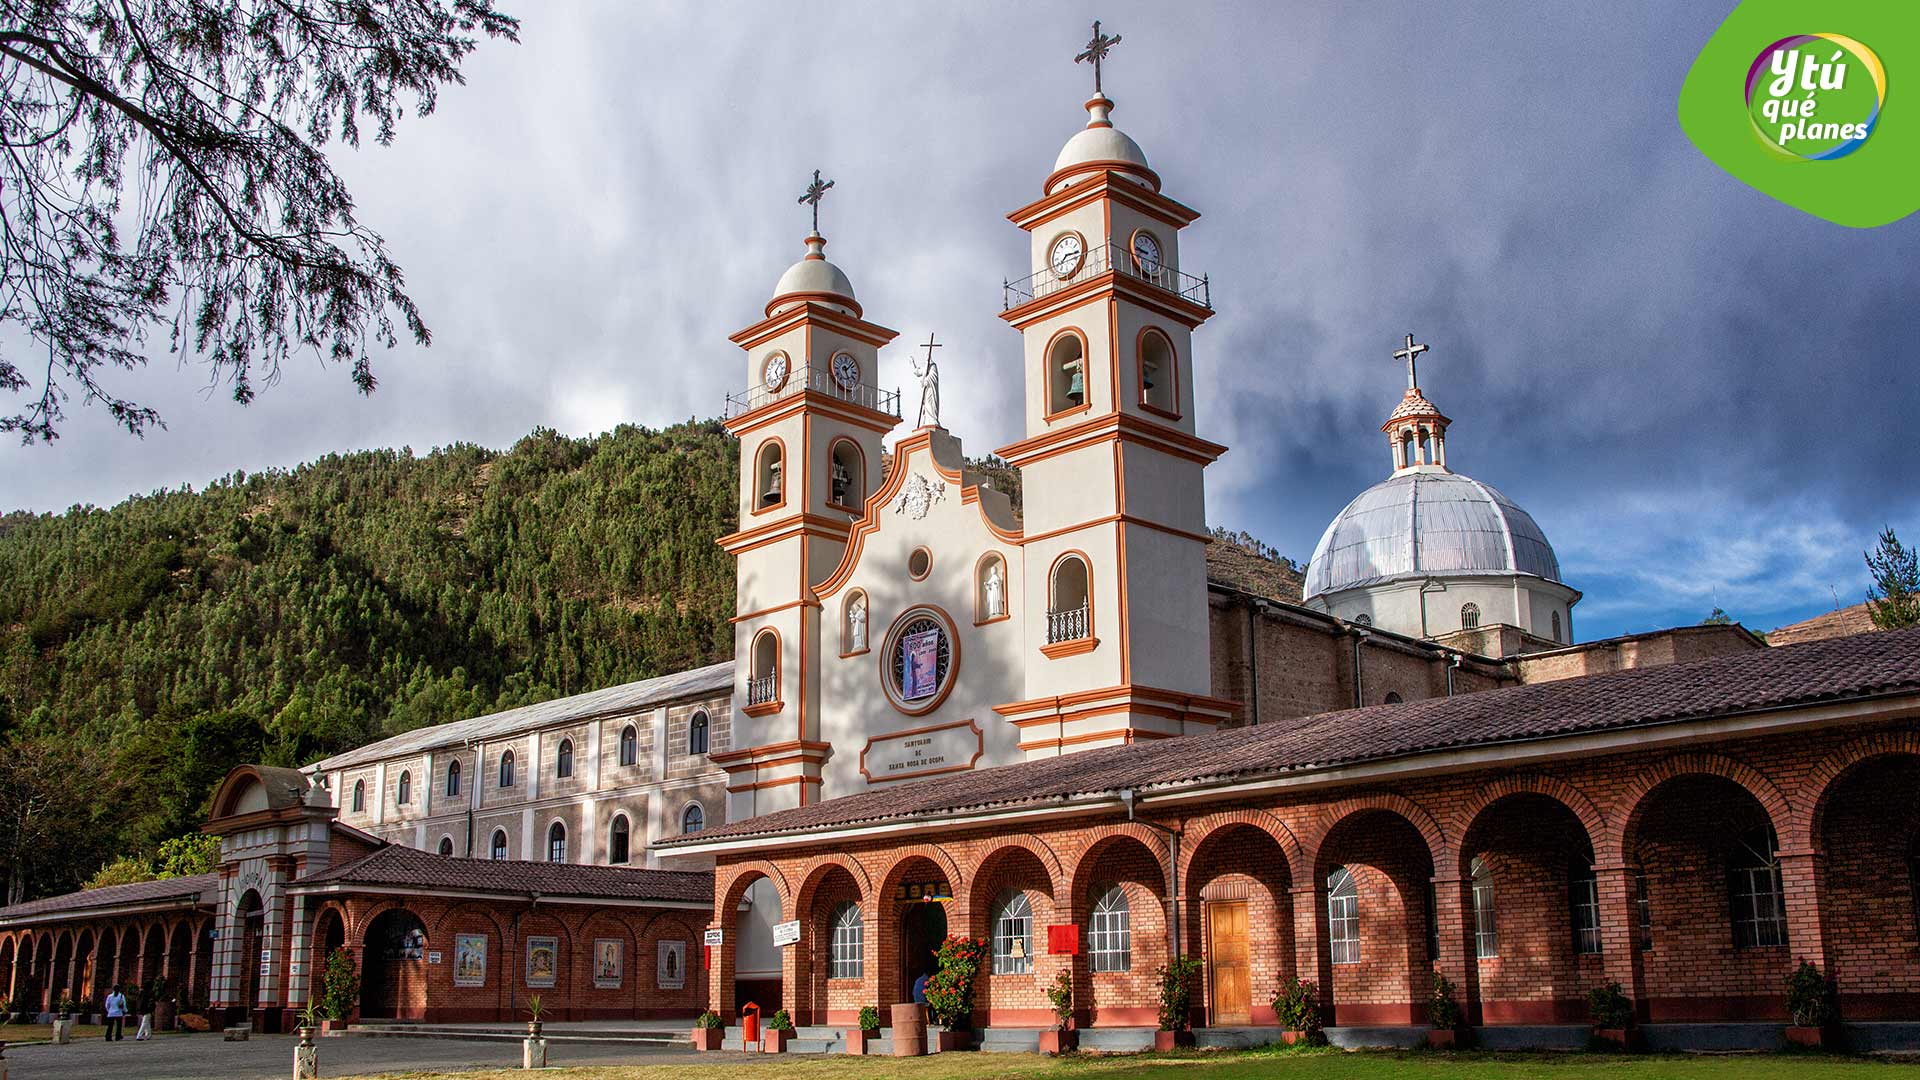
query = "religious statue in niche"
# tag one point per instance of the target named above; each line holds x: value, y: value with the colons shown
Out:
x: 928, y: 373
x: 857, y: 624
x: 995, y: 588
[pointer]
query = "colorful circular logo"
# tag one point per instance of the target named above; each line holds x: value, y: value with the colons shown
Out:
x: 1815, y: 97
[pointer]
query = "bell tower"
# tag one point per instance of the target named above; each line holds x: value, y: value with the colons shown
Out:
x: 810, y: 424
x: 1111, y: 467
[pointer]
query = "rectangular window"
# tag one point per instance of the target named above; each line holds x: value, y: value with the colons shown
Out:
x: 1343, y: 928
x: 1759, y: 915
x: 848, y: 946
x: 1584, y: 896
x: 1433, y: 924
x: 1644, y: 908
x: 1110, y: 947
x: 1486, y: 932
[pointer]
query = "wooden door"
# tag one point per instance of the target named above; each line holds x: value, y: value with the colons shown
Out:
x: 1229, y: 973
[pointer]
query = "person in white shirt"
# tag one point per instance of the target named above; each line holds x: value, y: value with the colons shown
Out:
x: 116, y: 1014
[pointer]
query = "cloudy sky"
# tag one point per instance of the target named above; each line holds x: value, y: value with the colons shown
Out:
x: 1700, y: 393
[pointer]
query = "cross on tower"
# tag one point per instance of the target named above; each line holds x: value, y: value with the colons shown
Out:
x: 1097, y: 48
x: 815, y: 192
x: 1409, y: 354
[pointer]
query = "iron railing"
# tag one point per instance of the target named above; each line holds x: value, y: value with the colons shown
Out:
x: 1068, y: 625
x: 761, y: 690
x: 1099, y: 260
x: 819, y: 381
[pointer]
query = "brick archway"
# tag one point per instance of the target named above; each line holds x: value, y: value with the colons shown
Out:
x: 1105, y: 838
x: 1332, y: 817
x: 1591, y: 818
x: 1624, y: 823
x: 1199, y: 831
x: 1026, y: 842
x: 1815, y: 790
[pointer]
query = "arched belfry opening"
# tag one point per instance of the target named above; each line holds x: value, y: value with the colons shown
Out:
x: 1066, y: 373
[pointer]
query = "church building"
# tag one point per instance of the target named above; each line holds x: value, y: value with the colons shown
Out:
x: 1072, y: 733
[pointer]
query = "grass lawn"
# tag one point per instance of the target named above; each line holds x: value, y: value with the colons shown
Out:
x: 1248, y: 1065
x: 29, y: 1034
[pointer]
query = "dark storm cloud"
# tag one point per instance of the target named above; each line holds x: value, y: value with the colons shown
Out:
x: 1701, y: 394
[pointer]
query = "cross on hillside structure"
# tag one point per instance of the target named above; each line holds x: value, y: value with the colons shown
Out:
x: 815, y: 192
x: 1409, y: 354
x: 1097, y: 49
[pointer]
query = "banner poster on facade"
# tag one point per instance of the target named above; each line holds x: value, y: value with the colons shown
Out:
x: 543, y: 960
x: 920, y: 664
x: 470, y: 960
x: 671, y: 965
x: 786, y: 933
x: 607, y: 962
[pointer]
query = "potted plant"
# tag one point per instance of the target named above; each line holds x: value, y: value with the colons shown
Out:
x: 1612, y: 1014
x: 309, y: 1020
x: 340, y: 991
x: 779, y: 1032
x: 165, y: 1005
x: 534, y: 1008
x: 1062, y: 1038
x: 1176, y: 1002
x: 865, y: 1030
x: 1813, y: 1003
x: 1297, y: 1004
x: 1443, y: 1013
x: 950, y: 991
x: 708, y: 1030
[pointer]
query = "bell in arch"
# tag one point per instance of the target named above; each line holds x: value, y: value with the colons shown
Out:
x: 772, y: 494
x: 1147, y: 372
x: 840, y: 480
x: 1077, y: 383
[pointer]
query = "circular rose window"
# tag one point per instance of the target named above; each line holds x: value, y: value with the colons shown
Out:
x: 918, y: 664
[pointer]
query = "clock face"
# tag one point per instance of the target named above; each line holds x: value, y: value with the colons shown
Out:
x: 846, y: 371
x: 775, y: 372
x: 1066, y: 255
x: 1146, y: 252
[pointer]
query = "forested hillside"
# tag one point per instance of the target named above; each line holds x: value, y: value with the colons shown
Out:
x: 146, y: 648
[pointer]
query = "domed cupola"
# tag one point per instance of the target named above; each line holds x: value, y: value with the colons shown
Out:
x: 1429, y: 552
x: 1100, y: 147
x: 813, y: 278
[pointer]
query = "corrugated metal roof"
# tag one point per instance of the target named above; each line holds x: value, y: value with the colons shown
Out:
x: 1428, y: 524
x: 611, y: 701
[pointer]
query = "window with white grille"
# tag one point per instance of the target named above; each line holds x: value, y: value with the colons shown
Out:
x: 1343, y: 916
x: 1109, y: 932
x: 1755, y: 892
x: 848, y: 944
x: 1486, y: 930
x: 1583, y: 895
x: 1012, y: 934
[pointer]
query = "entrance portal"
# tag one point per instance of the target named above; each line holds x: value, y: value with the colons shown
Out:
x: 923, y: 926
x: 394, y: 969
x: 1227, y: 955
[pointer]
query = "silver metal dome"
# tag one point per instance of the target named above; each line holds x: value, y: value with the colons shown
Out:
x: 1428, y: 522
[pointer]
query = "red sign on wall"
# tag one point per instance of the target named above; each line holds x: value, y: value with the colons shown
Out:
x: 1063, y: 940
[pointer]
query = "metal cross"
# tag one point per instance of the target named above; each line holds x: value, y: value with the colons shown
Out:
x: 1097, y: 48
x: 1409, y: 354
x: 815, y: 192
x: 930, y: 346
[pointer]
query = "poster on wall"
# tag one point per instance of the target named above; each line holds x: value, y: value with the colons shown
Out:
x: 607, y: 960
x: 671, y: 965
x: 470, y: 960
x: 920, y: 664
x: 543, y: 960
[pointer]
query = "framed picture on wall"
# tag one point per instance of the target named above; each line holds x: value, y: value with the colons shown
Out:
x: 670, y: 967
x: 543, y: 960
x: 607, y: 961
x: 470, y: 960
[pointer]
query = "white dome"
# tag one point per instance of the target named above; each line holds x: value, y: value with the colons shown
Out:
x: 1100, y: 142
x: 1423, y: 523
x: 814, y: 276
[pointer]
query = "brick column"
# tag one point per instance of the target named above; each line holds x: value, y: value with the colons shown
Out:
x: 719, y: 972
x: 1458, y: 960
x: 1312, y: 962
x: 1803, y: 879
x: 1620, y: 931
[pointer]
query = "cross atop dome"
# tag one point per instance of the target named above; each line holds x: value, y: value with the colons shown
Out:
x: 814, y: 193
x: 1097, y: 49
x: 1410, y: 354
x: 1416, y: 429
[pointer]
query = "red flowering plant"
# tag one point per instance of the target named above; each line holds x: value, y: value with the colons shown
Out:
x: 950, y: 989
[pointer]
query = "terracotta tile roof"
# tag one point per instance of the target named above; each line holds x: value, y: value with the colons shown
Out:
x: 399, y: 866
x: 187, y: 890
x: 1839, y: 669
x: 1840, y: 623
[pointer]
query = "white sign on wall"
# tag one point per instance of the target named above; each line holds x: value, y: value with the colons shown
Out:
x: 786, y: 933
x: 921, y: 752
x: 715, y: 937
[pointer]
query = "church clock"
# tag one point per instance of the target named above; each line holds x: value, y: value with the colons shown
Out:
x: 775, y: 373
x: 1146, y: 252
x: 846, y: 371
x: 1067, y: 254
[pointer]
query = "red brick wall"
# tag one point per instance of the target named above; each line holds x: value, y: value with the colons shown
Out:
x: 1530, y: 846
x: 1868, y: 830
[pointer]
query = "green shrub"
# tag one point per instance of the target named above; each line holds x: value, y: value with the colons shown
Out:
x: 1060, y: 994
x: 340, y: 986
x: 1811, y: 998
x: 1442, y: 1011
x: 1176, y: 992
x: 869, y: 1018
x: 782, y: 1021
x: 1609, y: 1007
x: 950, y: 990
x: 1297, y: 1004
x: 709, y: 1020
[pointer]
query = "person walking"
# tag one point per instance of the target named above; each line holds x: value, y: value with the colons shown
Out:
x: 116, y: 1014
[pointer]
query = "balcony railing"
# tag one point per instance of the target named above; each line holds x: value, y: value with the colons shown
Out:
x: 1068, y: 625
x: 762, y: 689
x: 818, y: 381
x: 1099, y: 260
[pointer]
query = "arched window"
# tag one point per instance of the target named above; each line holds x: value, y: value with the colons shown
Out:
x: 1583, y: 894
x: 563, y: 761
x: 1159, y: 374
x: 1066, y: 373
x: 556, y: 842
x: 846, y: 476
x: 498, y: 849
x: 453, y: 777
x: 853, y: 623
x: 1393, y: 698
x: 1343, y: 916
x: 1109, y: 932
x: 359, y: 796
x: 1486, y: 928
x: 617, y: 840
x: 1469, y: 616
x: 405, y: 794
x: 629, y: 745
x: 1556, y: 626
x: 506, y: 769
x: 697, y: 733
x: 1069, y: 610
x: 847, y: 959
x: 446, y: 845
x: 990, y: 589
x: 769, y: 486
x: 1363, y: 619
x: 693, y: 819
x: 1012, y: 934
x: 1409, y: 457
x: 1754, y: 889
x: 763, y: 684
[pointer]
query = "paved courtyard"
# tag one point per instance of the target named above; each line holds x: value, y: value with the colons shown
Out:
x: 207, y: 1057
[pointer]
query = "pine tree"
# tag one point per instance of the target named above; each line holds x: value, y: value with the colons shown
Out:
x: 1893, y: 600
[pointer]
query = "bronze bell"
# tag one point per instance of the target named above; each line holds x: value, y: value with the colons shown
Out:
x: 1077, y: 388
